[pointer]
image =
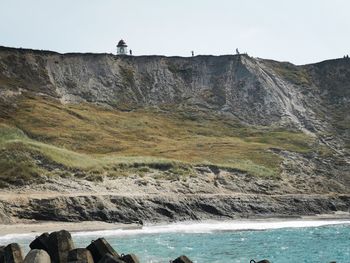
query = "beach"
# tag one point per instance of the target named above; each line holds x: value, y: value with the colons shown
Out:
x: 40, y: 227
x: 257, y: 223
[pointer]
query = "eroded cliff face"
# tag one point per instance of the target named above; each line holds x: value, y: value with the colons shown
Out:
x: 255, y: 91
x: 284, y: 134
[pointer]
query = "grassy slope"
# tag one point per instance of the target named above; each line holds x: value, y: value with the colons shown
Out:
x: 43, y: 135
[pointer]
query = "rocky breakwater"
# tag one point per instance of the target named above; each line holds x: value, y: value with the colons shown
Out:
x: 58, y: 247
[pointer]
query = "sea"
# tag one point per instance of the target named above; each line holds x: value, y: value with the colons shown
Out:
x: 287, y: 241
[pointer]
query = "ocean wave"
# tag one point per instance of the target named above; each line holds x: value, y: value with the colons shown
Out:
x: 194, y: 227
x: 213, y: 226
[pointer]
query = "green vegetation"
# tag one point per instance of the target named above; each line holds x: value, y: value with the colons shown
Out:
x: 294, y: 74
x: 46, y: 138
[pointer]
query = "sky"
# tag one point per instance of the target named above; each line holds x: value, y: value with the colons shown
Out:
x: 299, y: 31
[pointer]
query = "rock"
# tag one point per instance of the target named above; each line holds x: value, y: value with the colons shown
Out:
x: 100, y: 248
x: 2, y: 254
x: 81, y: 255
x: 13, y: 253
x: 182, y: 259
x: 60, y: 243
x: 40, y: 242
x: 37, y: 256
x: 261, y: 261
x: 108, y: 258
x: 130, y: 258
x: 5, y: 217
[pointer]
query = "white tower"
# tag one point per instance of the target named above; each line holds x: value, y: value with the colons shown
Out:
x: 122, y: 48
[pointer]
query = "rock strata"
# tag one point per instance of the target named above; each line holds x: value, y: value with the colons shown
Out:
x: 171, y: 208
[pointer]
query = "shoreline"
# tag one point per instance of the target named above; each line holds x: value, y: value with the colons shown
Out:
x: 50, y: 226
x: 36, y: 227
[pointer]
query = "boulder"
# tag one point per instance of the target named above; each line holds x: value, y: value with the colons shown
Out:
x: 182, y: 259
x: 108, y: 258
x: 37, y: 256
x: 60, y: 243
x: 40, y: 242
x: 101, y: 247
x: 81, y: 255
x: 13, y: 253
x: 130, y: 258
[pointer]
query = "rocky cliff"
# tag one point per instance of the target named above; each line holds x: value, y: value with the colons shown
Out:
x: 93, y: 117
x: 256, y: 91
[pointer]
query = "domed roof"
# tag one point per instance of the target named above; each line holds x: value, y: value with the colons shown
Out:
x: 121, y: 43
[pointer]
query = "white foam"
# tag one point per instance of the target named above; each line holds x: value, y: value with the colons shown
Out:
x: 193, y: 227
x: 212, y: 226
x: 10, y: 237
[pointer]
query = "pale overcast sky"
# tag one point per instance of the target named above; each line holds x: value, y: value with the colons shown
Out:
x: 300, y: 31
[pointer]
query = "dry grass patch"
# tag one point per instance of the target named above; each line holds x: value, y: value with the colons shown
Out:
x: 89, y: 137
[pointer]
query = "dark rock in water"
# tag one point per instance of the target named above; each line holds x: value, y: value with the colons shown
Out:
x: 108, y: 258
x: 101, y: 247
x: 182, y: 259
x: 40, y: 242
x: 261, y: 261
x: 37, y: 256
x: 13, y: 253
x: 130, y: 258
x: 60, y: 243
x: 2, y: 254
x: 81, y: 255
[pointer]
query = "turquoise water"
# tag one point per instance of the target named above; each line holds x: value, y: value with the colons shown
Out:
x: 283, y: 245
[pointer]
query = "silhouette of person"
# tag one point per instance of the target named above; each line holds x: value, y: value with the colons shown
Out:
x: 130, y: 51
x: 192, y: 53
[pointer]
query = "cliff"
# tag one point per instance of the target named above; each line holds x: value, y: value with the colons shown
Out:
x: 261, y: 126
